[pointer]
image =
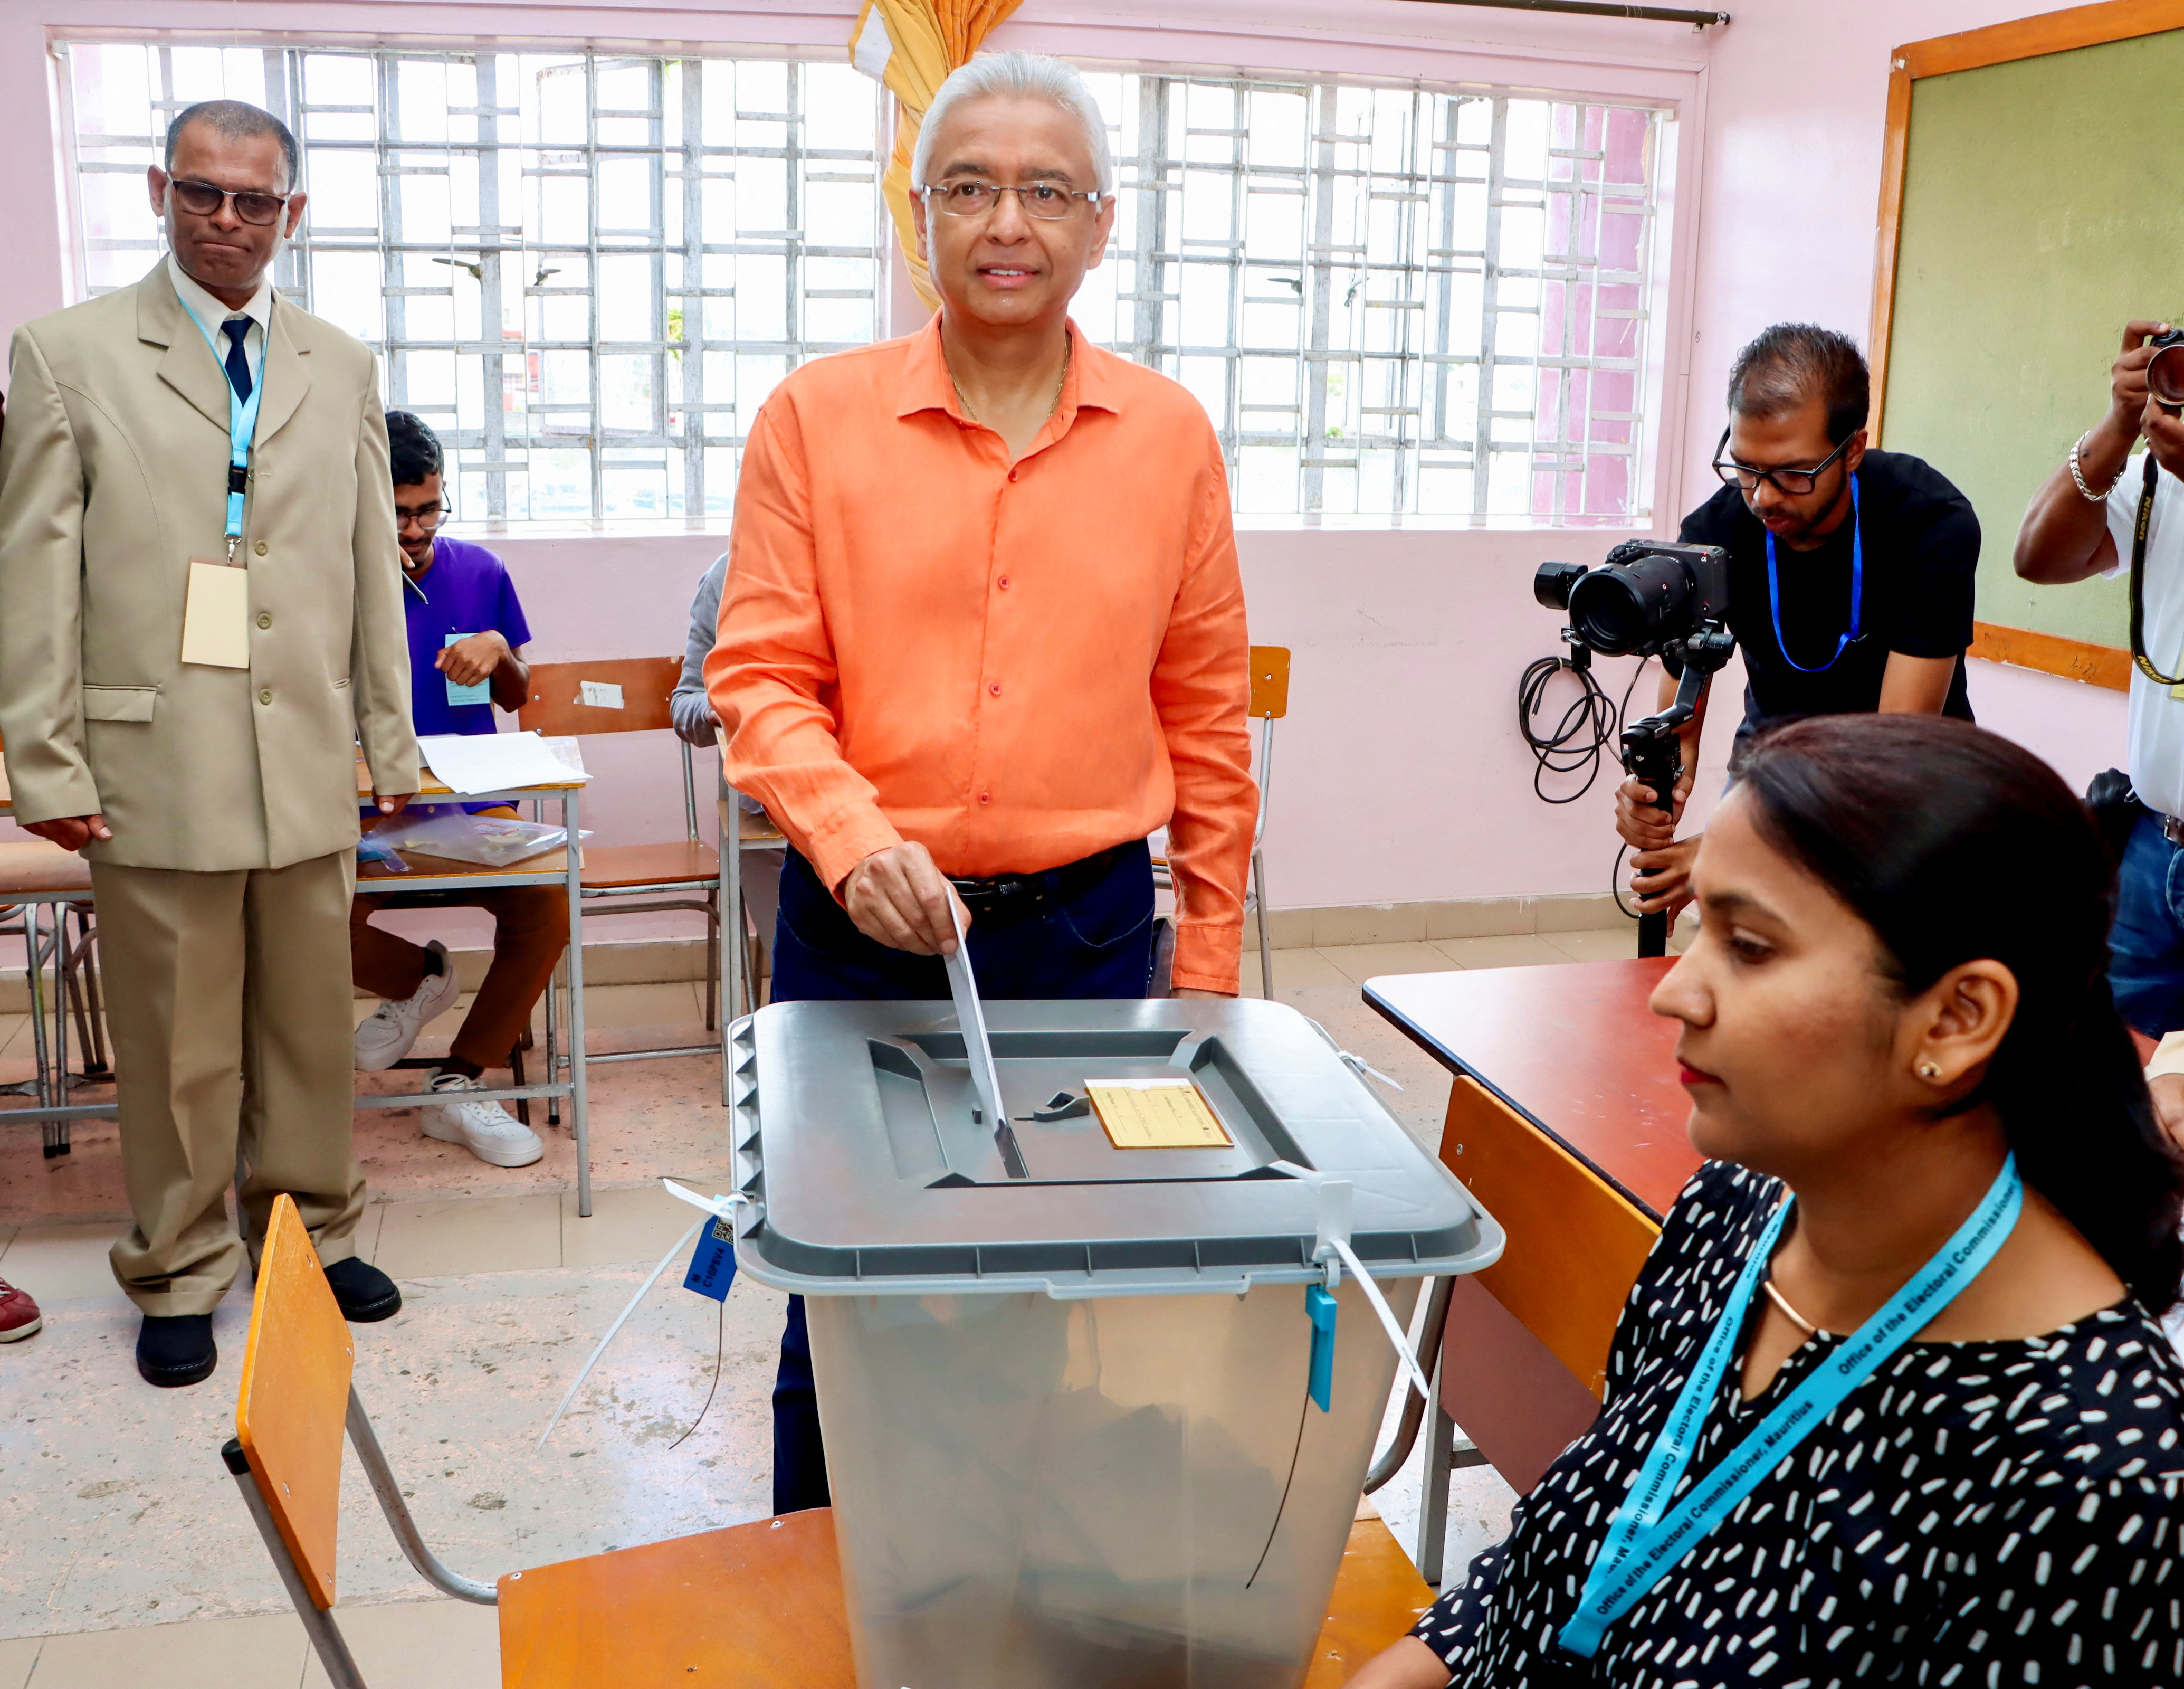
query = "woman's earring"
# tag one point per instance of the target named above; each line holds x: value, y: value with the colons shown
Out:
x: 1928, y: 1070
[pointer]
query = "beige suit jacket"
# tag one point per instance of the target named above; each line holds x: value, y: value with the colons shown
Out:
x: 113, y: 476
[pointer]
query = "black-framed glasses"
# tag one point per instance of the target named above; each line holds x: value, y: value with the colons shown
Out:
x: 1048, y: 201
x: 427, y: 517
x: 1796, y: 482
x: 204, y: 199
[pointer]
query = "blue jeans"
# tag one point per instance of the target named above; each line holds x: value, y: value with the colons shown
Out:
x: 1095, y: 942
x: 2145, y: 945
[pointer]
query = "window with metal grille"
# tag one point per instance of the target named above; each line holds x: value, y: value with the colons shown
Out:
x: 586, y: 270
x: 1392, y: 301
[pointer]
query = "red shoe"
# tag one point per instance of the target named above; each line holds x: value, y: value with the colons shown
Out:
x: 19, y: 1314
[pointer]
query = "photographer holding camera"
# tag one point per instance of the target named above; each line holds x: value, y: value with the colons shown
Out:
x: 1851, y: 573
x: 2088, y: 520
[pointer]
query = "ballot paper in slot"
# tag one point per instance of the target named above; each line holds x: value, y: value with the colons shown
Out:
x: 978, y: 1049
x: 502, y: 762
x: 1156, y: 1114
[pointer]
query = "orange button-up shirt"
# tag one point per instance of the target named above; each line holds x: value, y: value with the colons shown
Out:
x: 1016, y: 666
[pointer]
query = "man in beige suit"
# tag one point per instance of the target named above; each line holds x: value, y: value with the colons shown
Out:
x: 191, y: 726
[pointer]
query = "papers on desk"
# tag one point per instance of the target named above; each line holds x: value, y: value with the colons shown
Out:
x: 469, y: 763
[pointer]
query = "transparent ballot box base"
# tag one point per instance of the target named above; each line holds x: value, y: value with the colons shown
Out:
x: 1065, y: 1373
x: 1134, y: 1490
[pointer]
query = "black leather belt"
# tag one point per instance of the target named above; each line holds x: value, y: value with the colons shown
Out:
x: 1011, y: 897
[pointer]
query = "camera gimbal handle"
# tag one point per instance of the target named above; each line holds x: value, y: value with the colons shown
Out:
x: 1653, y: 754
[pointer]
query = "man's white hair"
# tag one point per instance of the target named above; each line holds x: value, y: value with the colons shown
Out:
x: 1017, y: 76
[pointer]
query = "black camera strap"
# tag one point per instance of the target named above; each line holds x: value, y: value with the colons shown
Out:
x: 2138, y: 579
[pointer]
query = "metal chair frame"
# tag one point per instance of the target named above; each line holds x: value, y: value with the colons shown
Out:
x: 740, y: 973
x: 1447, y: 1451
x: 76, y: 968
x: 319, y: 1623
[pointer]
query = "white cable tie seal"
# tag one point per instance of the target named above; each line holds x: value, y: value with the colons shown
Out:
x: 1334, y: 1204
x: 721, y: 1207
x: 1356, y: 1064
x: 1364, y: 1069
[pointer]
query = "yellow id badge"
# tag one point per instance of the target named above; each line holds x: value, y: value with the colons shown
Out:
x: 216, y: 616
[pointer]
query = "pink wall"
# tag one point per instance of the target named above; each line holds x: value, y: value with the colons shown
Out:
x: 1399, y: 774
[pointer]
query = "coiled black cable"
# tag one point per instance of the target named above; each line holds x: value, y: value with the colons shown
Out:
x: 1580, y: 739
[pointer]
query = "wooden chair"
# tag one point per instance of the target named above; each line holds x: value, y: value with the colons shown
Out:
x: 759, y: 1605
x: 627, y: 695
x: 35, y: 874
x: 1523, y: 1352
x: 1269, y: 703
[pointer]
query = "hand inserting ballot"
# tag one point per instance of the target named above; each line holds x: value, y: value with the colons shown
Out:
x: 899, y: 897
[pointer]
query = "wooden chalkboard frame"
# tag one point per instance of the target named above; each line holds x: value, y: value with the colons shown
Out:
x: 2034, y: 37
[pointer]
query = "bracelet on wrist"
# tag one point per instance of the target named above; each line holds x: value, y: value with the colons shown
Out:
x: 2078, y: 474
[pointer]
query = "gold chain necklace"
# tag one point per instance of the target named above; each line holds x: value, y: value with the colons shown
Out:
x: 1782, y: 1301
x: 1069, y: 357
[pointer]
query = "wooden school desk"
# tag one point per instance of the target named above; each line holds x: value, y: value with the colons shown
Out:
x: 1565, y: 1119
x: 433, y: 874
x: 426, y: 874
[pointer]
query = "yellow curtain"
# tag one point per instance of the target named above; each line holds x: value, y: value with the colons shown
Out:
x: 912, y: 46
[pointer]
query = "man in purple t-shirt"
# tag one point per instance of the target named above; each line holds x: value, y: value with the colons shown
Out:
x: 466, y: 639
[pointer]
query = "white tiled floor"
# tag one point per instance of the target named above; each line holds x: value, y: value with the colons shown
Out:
x: 504, y: 1297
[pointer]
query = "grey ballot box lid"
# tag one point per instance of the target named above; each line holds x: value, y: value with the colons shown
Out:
x: 856, y: 1135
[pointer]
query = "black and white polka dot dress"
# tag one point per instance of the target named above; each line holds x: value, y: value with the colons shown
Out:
x: 1985, y: 1515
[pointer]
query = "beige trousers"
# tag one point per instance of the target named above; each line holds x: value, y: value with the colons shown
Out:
x: 228, y: 997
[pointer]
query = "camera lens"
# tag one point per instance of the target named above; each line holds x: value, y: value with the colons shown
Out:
x: 2164, y: 376
x: 1626, y: 606
x: 1551, y: 585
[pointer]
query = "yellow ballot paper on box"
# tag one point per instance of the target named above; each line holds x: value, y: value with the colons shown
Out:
x: 1156, y: 1114
x: 216, y: 616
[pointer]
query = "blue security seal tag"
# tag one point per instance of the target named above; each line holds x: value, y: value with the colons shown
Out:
x: 713, y: 1263
x: 1319, y: 1308
x: 479, y: 692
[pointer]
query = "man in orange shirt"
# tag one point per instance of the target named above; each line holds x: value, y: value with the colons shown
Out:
x: 983, y: 628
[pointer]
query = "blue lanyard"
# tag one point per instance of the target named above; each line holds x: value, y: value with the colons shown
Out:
x: 1857, y: 593
x: 242, y: 429
x: 1643, y: 1543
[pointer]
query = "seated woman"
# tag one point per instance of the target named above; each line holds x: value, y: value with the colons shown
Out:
x: 1877, y: 1409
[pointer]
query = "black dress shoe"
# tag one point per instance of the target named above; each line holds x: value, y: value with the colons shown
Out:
x: 365, y: 1293
x: 173, y: 1350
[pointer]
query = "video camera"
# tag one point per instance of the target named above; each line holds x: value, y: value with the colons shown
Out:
x: 1649, y: 599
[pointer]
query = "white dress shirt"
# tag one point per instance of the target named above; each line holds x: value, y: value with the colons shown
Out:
x: 212, y: 313
x: 2157, y: 714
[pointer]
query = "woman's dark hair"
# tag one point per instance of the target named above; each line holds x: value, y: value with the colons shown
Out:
x: 413, y: 450
x: 1953, y: 844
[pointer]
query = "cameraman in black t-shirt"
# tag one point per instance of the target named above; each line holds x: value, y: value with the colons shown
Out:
x: 1850, y: 571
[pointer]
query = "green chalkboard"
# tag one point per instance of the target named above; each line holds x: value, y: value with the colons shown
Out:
x: 2043, y: 207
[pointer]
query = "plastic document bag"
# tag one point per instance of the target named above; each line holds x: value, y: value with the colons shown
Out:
x: 489, y: 841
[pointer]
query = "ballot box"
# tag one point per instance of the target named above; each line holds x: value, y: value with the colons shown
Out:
x: 1065, y: 1370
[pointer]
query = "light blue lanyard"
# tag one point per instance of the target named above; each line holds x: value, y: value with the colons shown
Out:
x: 1857, y: 593
x: 1642, y: 1545
x: 242, y: 429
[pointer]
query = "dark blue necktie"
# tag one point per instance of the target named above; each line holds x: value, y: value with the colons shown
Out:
x: 238, y: 362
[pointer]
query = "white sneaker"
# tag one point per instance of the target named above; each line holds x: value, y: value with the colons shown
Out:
x: 385, y: 1038
x: 486, y: 1129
